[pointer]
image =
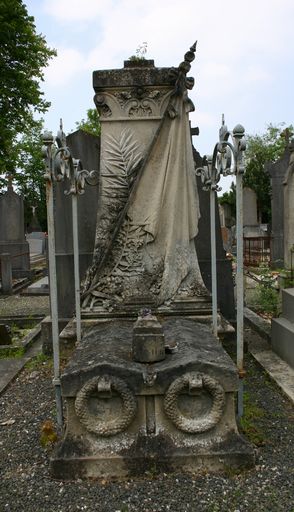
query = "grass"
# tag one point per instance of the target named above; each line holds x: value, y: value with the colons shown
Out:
x: 249, y: 421
x: 39, y: 361
x: 11, y: 352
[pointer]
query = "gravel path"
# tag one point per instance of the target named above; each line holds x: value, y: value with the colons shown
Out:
x: 26, y: 484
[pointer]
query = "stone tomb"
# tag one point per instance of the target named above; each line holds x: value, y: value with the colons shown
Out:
x: 168, y: 404
x: 125, y: 417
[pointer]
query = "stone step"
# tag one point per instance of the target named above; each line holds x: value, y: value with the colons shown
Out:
x: 282, y: 339
x: 288, y: 304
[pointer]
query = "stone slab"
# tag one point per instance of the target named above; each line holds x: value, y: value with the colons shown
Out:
x: 10, y: 367
x: 277, y: 369
x: 282, y: 339
x: 260, y: 325
x: 110, y: 342
x: 288, y: 304
x: 125, y: 418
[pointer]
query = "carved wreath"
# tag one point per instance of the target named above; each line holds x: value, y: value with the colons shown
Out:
x: 97, y: 425
x: 193, y: 426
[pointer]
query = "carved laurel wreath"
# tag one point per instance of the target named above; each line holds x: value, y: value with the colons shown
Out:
x: 99, y: 426
x: 193, y: 426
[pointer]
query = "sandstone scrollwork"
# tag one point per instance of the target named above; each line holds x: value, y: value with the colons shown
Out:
x: 194, y: 381
x: 94, y: 423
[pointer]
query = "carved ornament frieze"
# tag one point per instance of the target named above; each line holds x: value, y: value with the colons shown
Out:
x: 129, y: 103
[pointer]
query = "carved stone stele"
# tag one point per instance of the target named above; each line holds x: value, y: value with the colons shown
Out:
x: 148, y: 208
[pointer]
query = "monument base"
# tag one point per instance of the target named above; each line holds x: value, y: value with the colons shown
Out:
x: 126, y: 418
x: 20, y: 257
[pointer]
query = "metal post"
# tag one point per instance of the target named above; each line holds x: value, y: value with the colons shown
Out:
x: 213, y: 261
x: 52, y: 278
x: 240, y: 289
x: 227, y: 160
x: 210, y: 177
x: 74, y: 203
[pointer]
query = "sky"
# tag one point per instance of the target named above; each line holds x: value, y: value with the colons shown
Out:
x: 244, y: 65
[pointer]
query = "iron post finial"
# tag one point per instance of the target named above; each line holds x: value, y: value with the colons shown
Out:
x: 193, y: 47
x: 238, y: 131
x: 47, y: 138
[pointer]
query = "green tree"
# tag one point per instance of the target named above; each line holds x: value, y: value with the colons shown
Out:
x: 91, y: 124
x: 230, y: 198
x: 268, y: 147
x: 29, y: 173
x: 24, y: 54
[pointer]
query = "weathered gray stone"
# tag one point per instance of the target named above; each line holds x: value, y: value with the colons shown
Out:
x: 46, y: 335
x: 85, y: 147
x: 277, y: 172
x: 148, y: 339
x: 225, y: 287
x: 37, y: 242
x: 124, y: 416
x: 148, y: 204
x: 250, y: 207
x: 12, y: 236
x: 6, y: 273
x: 289, y: 210
x: 126, y: 410
x: 282, y: 329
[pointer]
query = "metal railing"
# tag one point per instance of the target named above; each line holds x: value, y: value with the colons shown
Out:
x: 257, y: 250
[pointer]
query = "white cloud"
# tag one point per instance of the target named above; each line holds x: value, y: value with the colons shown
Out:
x: 63, y: 68
x: 228, y: 38
x: 240, y: 49
x: 68, y: 11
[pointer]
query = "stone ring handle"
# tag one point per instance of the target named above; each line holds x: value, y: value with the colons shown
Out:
x: 194, y: 381
x: 95, y: 424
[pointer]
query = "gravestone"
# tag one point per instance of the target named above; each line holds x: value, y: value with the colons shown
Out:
x: 277, y: 172
x: 176, y: 411
x: 12, y: 234
x: 225, y: 287
x: 86, y: 148
x: 226, y: 223
x: 250, y: 221
x: 289, y: 211
x: 34, y: 225
x: 37, y: 242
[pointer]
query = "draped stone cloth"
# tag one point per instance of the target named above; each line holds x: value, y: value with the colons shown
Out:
x: 154, y: 254
x: 166, y: 203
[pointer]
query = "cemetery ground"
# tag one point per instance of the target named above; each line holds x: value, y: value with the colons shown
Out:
x: 28, y: 435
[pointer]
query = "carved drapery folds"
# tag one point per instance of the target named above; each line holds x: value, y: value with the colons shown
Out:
x: 149, y: 209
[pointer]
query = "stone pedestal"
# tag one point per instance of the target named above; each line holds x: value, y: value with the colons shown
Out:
x: 6, y: 273
x: 277, y: 172
x: 125, y: 418
x: 289, y: 210
x: 282, y: 329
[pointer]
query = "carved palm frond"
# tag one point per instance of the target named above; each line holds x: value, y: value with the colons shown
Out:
x: 123, y: 156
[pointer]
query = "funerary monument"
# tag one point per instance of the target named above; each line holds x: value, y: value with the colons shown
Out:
x: 149, y: 387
